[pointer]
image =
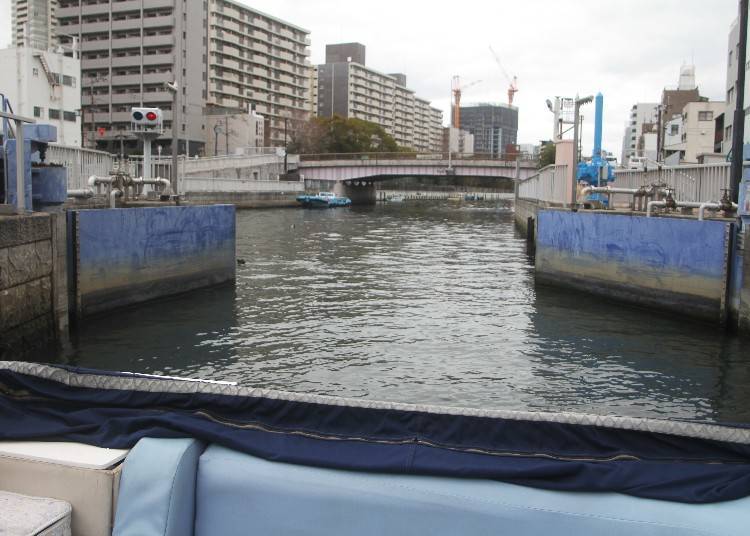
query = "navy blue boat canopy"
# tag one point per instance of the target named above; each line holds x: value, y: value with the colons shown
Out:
x: 668, y: 460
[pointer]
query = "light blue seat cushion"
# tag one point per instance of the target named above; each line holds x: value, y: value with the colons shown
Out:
x: 238, y: 494
x: 157, y: 488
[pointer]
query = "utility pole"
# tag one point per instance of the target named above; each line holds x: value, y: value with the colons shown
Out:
x: 226, y: 132
x: 738, y: 138
x: 217, y: 129
x: 286, y: 145
x: 176, y: 101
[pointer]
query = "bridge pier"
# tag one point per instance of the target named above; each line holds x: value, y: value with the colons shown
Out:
x: 360, y: 192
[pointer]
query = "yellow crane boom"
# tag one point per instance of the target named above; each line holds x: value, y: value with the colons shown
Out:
x: 457, y: 90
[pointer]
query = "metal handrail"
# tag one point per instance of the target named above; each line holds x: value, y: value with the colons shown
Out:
x: 415, y: 155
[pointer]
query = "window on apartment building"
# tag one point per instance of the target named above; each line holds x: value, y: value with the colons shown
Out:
x: 705, y: 116
x: 54, y: 114
x: 35, y: 71
x: 674, y: 130
x: 69, y: 116
x: 38, y: 111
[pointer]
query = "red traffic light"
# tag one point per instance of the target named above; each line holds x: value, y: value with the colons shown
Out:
x: 151, y: 116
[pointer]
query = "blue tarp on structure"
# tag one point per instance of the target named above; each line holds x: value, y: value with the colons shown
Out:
x: 115, y: 411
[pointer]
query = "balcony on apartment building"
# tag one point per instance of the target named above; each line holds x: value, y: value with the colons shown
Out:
x: 160, y: 21
x: 86, y: 8
x: 157, y: 59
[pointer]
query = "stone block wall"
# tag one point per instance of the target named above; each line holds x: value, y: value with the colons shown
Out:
x: 33, y: 292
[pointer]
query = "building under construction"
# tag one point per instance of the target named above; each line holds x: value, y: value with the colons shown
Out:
x: 494, y: 126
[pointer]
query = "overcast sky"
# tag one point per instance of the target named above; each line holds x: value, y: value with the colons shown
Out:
x: 627, y: 49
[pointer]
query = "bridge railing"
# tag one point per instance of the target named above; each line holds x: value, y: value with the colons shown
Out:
x: 410, y: 155
x: 699, y: 182
x: 81, y: 163
x: 550, y: 185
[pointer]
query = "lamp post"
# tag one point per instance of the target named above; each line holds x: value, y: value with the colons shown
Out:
x: 175, y: 89
x: 576, y: 116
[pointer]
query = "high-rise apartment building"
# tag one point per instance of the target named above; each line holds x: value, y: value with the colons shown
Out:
x: 347, y: 87
x: 129, y: 51
x: 33, y: 23
x: 727, y: 119
x: 220, y: 53
x: 640, y: 114
x: 256, y: 59
x: 494, y: 126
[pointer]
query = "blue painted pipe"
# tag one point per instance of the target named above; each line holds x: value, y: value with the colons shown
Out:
x: 598, y: 123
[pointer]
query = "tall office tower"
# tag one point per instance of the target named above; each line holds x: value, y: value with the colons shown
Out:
x: 494, y: 126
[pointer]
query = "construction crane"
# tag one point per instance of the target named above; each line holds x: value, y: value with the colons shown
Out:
x: 512, y: 82
x: 457, y: 89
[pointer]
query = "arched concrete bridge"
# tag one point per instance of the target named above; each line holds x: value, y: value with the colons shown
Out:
x: 355, y: 176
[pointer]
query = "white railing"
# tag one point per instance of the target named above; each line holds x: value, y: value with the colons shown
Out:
x: 80, y: 163
x: 161, y: 166
x: 550, y: 185
x: 700, y: 182
x: 233, y: 173
x: 217, y: 185
x: 695, y: 183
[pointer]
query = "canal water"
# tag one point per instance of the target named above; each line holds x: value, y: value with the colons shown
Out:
x: 424, y: 303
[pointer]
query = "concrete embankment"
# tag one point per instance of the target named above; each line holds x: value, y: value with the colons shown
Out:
x: 682, y: 265
x: 243, y: 199
x: 33, y: 283
x: 523, y: 211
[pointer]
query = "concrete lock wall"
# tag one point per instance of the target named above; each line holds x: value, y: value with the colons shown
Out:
x: 523, y: 210
x: 741, y: 280
x: 127, y: 256
x: 667, y: 263
x: 33, y: 287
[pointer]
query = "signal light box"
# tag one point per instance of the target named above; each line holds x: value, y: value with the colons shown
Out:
x: 146, y: 120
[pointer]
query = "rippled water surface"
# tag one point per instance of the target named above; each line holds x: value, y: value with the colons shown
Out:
x: 432, y: 303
